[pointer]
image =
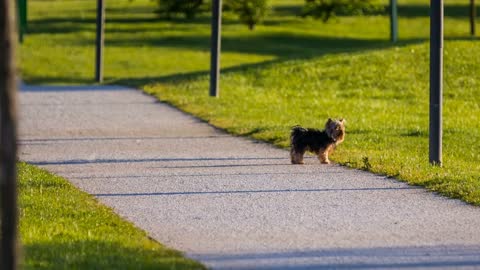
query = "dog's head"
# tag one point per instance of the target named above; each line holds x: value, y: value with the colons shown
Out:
x: 336, y: 129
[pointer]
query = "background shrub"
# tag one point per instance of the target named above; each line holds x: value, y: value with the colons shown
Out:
x: 187, y: 7
x: 250, y: 12
x: 326, y: 9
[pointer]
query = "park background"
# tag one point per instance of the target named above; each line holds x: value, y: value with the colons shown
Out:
x: 289, y: 70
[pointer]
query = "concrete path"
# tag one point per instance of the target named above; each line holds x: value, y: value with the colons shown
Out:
x: 233, y: 203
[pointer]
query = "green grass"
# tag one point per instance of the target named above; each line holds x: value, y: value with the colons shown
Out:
x: 64, y: 228
x: 141, y: 49
x: 382, y: 94
x: 288, y: 71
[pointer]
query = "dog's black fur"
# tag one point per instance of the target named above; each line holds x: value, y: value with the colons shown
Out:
x: 320, y: 142
x: 310, y: 139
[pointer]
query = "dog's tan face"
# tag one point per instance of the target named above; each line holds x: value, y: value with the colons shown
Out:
x: 336, y: 129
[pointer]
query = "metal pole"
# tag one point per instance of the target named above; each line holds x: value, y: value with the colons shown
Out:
x: 215, y: 47
x: 8, y: 135
x: 473, y: 14
x: 393, y: 21
x: 99, y: 41
x: 22, y: 19
x: 436, y: 81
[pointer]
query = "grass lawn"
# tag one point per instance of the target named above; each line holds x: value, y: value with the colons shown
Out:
x: 64, y: 228
x: 288, y: 71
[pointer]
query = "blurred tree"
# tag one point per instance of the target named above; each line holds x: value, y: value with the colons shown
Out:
x: 189, y: 8
x: 250, y: 12
x: 8, y: 143
x: 326, y: 9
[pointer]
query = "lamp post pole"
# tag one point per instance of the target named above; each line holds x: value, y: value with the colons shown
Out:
x: 436, y: 81
x: 473, y: 14
x: 393, y: 21
x: 99, y: 41
x: 215, y: 47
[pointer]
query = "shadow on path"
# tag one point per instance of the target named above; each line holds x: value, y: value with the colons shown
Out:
x: 99, y: 161
x: 71, y: 88
x: 422, y: 257
x: 187, y: 193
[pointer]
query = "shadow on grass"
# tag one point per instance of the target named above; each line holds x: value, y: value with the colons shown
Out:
x: 285, y: 47
x: 137, y: 15
x: 450, y: 10
x: 67, y: 25
x: 100, y: 255
x: 60, y: 25
x: 282, y: 45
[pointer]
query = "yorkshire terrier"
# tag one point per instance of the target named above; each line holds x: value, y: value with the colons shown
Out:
x: 320, y: 142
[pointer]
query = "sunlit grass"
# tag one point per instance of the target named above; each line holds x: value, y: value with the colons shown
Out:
x: 64, y: 228
x: 288, y: 71
x: 140, y: 48
x: 383, y: 95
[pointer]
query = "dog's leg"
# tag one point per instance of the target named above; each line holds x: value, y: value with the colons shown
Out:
x: 323, y: 156
x: 296, y: 156
x: 293, y: 155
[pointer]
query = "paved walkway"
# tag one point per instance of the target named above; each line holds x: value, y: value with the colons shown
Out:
x: 233, y: 203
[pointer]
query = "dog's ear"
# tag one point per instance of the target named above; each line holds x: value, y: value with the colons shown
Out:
x: 343, y: 121
x: 328, y: 123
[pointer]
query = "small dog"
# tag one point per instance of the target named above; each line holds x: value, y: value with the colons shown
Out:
x: 320, y: 142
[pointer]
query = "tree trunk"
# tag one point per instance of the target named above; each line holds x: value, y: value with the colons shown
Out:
x: 8, y: 145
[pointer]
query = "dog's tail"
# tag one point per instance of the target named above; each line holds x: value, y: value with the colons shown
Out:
x: 297, y: 132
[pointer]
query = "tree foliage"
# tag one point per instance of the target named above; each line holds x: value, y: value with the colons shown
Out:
x: 326, y: 9
x: 250, y: 12
x: 187, y: 7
